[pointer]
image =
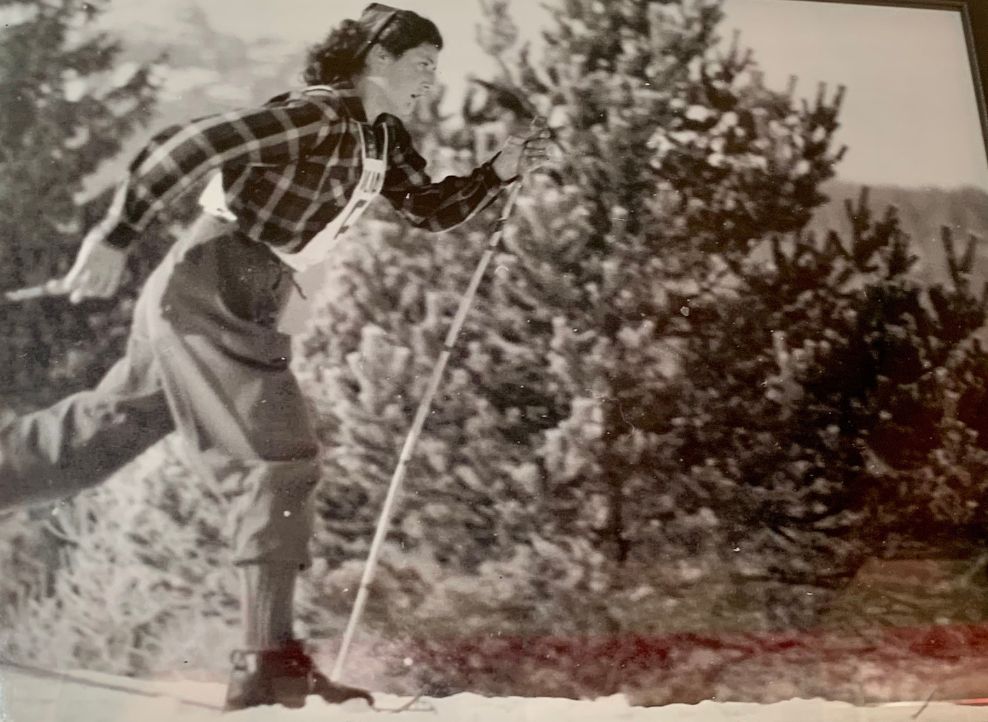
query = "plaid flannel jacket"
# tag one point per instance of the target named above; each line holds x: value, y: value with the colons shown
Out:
x: 289, y: 168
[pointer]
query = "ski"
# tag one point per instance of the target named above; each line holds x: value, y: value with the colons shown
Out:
x: 96, y: 684
x: 415, y: 704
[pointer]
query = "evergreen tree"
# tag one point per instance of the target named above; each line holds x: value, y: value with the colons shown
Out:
x: 691, y: 167
x: 66, y: 109
x: 679, y: 160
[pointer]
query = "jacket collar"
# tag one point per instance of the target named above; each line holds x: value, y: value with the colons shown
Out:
x: 355, y: 106
x: 351, y: 99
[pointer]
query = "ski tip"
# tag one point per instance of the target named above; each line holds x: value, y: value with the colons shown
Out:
x: 415, y: 704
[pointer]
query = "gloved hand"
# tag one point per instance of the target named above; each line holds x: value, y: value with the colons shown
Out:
x: 96, y: 273
x: 522, y: 154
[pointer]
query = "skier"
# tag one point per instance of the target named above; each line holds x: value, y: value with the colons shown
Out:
x: 207, y: 353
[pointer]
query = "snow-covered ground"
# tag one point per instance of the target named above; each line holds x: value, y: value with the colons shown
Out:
x: 29, y: 698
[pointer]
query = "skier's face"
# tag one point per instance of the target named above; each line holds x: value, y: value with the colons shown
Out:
x: 409, y: 77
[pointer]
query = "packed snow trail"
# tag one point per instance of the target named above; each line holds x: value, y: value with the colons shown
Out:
x: 31, y: 698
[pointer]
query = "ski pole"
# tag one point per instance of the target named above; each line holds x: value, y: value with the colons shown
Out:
x: 420, y: 415
x: 30, y: 293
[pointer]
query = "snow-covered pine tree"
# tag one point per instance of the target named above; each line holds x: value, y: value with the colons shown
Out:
x: 67, y: 107
x: 690, y: 166
x: 772, y: 490
x: 679, y: 161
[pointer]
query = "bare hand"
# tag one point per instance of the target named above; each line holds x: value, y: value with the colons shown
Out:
x: 96, y: 273
x: 522, y: 154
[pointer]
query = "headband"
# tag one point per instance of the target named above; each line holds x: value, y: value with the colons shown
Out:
x: 376, y: 18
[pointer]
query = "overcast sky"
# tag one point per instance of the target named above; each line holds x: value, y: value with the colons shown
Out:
x: 909, y: 118
x: 910, y: 114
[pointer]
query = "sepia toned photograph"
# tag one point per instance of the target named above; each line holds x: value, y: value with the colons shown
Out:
x: 493, y: 360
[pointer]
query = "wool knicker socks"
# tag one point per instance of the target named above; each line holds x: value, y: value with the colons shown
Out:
x: 268, y: 604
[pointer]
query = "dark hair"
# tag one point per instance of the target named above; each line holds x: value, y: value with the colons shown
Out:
x: 342, y: 54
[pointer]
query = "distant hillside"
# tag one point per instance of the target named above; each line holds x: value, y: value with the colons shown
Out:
x: 207, y: 69
x: 203, y: 70
x: 922, y: 211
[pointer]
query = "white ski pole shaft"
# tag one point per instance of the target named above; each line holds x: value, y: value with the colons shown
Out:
x: 30, y: 293
x: 420, y: 415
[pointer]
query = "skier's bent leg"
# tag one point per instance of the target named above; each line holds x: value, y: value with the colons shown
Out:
x: 272, y: 520
x: 227, y: 375
x: 271, y: 524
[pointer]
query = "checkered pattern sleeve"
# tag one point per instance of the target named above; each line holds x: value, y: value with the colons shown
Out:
x: 180, y: 155
x: 434, y: 206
